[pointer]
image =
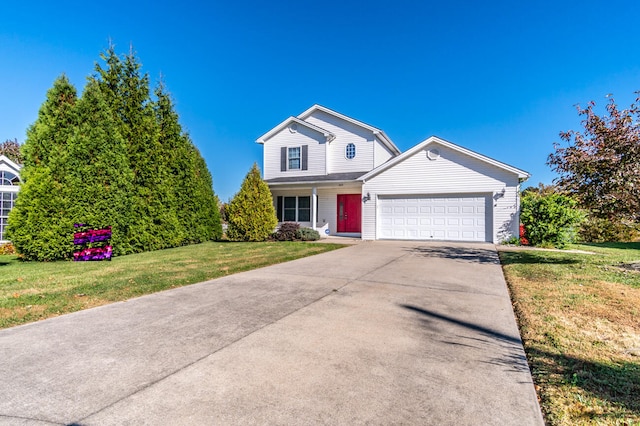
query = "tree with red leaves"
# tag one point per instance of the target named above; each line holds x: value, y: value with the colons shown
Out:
x: 601, y: 165
x: 11, y: 150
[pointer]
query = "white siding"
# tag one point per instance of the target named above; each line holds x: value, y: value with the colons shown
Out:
x: 303, y: 136
x: 345, y: 133
x: 451, y: 173
x: 6, y: 192
x: 327, y: 202
x: 381, y: 153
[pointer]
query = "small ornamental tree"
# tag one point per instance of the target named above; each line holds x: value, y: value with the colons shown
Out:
x: 549, y: 219
x: 251, y: 215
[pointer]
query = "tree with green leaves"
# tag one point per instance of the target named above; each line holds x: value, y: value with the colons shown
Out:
x: 251, y: 215
x: 549, y: 219
x: 11, y: 150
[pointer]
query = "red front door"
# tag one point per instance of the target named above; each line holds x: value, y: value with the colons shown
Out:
x: 349, y: 212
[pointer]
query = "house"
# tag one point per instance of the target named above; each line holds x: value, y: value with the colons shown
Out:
x: 9, y: 185
x: 341, y: 176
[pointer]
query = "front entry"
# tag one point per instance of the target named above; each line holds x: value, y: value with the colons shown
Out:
x: 349, y: 213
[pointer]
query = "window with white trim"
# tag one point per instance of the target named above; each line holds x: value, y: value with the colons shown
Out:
x: 293, y: 209
x: 294, y: 158
x: 8, y: 178
x: 7, y: 201
x: 350, y: 151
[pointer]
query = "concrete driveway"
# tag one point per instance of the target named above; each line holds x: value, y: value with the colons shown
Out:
x: 376, y: 333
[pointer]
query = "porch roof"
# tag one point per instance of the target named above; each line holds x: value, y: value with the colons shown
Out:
x: 332, y: 177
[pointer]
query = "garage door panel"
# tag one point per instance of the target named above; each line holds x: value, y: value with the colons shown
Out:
x: 433, y: 218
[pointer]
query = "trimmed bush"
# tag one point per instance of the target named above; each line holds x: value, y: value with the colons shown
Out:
x: 308, y: 234
x: 288, y: 231
x: 596, y: 230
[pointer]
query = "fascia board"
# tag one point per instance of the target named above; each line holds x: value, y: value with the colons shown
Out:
x: 377, y: 132
x: 7, y: 161
x: 434, y: 139
x: 327, y: 134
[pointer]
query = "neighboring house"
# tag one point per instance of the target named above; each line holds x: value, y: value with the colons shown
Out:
x: 9, y: 185
x: 331, y: 172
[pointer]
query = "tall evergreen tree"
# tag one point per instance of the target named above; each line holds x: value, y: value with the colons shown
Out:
x: 127, y: 92
x: 39, y: 224
x: 100, y: 180
x: 47, y: 137
x: 194, y: 200
x: 113, y: 157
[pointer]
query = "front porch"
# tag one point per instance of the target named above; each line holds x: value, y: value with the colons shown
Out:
x: 331, y: 210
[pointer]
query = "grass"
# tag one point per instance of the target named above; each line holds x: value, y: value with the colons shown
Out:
x: 31, y: 291
x: 579, y: 317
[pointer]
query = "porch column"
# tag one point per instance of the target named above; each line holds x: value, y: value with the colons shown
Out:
x: 314, y: 207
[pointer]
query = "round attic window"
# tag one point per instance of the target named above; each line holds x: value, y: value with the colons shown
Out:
x: 433, y: 154
x: 293, y: 128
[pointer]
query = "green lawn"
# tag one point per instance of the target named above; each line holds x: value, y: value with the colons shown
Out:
x: 30, y: 291
x: 579, y: 317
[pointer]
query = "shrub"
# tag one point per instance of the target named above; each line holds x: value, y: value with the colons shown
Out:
x: 550, y: 219
x: 288, y: 231
x: 7, y: 248
x: 251, y: 215
x: 597, y: 230
x: 308, y: 234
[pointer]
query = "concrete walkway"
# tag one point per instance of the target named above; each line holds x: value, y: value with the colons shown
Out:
x: 376, y: 333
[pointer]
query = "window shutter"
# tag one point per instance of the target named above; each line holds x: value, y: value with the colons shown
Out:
x: 283, y: 159
x: 279, y: 208
x: 305, y: 153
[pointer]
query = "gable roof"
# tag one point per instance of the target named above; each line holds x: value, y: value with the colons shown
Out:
x: 522, y: 175
x: 11, y: 164
x: 293, y: 120
x: 377, y: 132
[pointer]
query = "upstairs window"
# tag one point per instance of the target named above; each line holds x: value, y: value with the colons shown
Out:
x: 350, y: 151
x: 8, y: 179
x: 294, y: 158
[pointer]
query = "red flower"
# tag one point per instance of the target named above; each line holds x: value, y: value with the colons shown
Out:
x: 523, y: 239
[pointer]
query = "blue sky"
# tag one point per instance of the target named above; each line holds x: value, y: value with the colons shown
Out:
x: 501, y: 78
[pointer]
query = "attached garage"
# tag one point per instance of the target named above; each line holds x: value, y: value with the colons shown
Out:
x: 448, y: 217
x: 441, y: 191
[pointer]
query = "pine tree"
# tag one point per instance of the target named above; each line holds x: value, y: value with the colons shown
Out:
x: 251, y: 215
x: 40, y: 226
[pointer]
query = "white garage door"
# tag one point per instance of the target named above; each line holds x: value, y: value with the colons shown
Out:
x: 434, y: 218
